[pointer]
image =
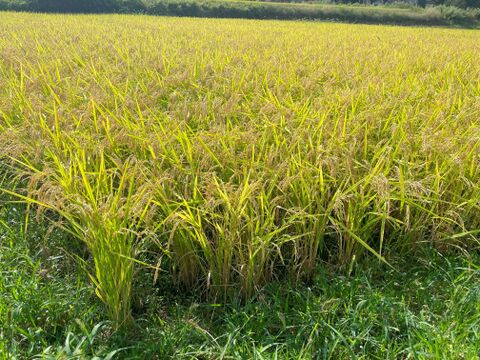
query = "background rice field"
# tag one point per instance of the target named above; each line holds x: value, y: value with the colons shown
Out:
x: 225, y: 154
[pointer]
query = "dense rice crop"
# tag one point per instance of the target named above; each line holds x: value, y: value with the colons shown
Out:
x: 240, y: 151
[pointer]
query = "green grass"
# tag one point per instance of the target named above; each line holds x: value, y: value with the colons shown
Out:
x: 42, y: 296
x: 428, y: 309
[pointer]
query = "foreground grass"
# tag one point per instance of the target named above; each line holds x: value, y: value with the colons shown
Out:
x: 426, y: 309
x: 41, y: 296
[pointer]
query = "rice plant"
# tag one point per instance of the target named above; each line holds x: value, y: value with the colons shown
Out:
x: 244, y: 151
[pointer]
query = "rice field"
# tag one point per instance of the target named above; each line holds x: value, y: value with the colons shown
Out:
x: 230, y: 153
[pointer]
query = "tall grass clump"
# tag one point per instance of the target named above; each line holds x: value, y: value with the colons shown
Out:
x: 240, y: 152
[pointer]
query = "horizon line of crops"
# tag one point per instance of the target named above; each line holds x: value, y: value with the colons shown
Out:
x: 240, y: 152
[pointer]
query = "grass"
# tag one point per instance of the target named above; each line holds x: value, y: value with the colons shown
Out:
x: 428, y: 309
x: 42, y: 294
x: 240, y: 164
